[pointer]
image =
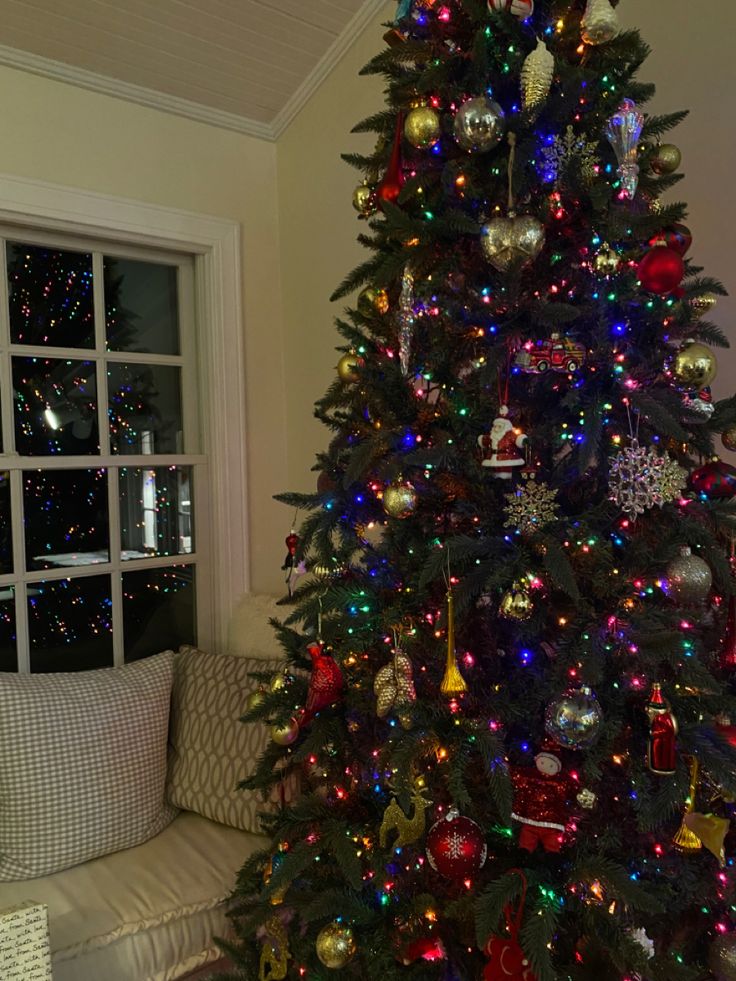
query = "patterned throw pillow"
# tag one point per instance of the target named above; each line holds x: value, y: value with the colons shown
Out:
x: 82, y: 764
x: 211, y: 750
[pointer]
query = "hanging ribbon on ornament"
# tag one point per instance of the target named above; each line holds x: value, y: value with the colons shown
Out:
x: 508, y: 962
x: 453, y: 683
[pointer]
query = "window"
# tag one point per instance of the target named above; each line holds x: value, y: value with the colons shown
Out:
x: 101, y: 490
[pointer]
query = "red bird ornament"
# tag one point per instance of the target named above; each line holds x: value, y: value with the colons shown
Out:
x: 325, y: 682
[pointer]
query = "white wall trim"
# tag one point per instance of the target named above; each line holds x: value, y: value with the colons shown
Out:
x: 216, y: 242
x: 154, y: 99
x: 334, y: 54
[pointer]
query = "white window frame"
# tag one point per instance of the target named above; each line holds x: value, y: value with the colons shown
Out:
x: 215, y: 244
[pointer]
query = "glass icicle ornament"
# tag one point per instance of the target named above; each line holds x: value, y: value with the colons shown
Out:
x: 406, y: 320
x: 600, y: 22
x: 623, y: 131
x: 536, y: 76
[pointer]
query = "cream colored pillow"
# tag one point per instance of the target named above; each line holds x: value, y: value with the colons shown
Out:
x: 210, y: 749
x: 82, y: 764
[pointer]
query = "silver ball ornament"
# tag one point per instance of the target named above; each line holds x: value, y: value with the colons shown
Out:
x: 689, y: 577
x: 722, y: 957
x: 479, y: 124
x: 573, y: 719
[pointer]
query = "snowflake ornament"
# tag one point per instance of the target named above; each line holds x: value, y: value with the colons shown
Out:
x: 567, y: 150
x: 640, y: 479
x: 531, y: 506
x: 673, y: 481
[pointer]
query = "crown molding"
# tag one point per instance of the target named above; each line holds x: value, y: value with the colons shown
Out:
x: 153, y: 99
x: 128, y: 92
x: 334, y: 54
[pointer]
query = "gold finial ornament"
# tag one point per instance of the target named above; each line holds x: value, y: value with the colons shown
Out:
x: 453, y: 682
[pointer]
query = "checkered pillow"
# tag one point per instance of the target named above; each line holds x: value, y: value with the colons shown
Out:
x: 82, y: 764
x: 211, y: 749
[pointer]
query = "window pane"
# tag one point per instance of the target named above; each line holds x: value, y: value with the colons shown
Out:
x: 145, y: 408
x: 50, y: 297
x: 158, y: 610
x: 8, y: 659
x: 6, y: 530
x: 141, y: 310
x: 65, y: 515
x: 55, y: 406
x: 70, y: 624
x: 155, y: 511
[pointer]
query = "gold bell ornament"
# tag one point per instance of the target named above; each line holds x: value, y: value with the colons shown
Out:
x: 422, y: 127
x: 516, y: 603
x: 600, y: 22
x: 537, y: 73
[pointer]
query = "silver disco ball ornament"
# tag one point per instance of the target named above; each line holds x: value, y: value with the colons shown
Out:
x: 573, y: 719
x: 479, y: 124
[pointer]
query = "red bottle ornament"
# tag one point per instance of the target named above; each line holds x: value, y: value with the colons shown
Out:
x: 456, y: 847
x: 677, y: 237
x: 325, y: 683
x: 715, y: 481
x: 661, y: 270
x: 393, y: 180
x: 662, y: 744
x: 507, y: 959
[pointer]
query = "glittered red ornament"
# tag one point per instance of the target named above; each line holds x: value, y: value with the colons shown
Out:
x: 508, y: 962
x: 542, y: 796
x: 325, y: 683
x: 677, y: 237
x: 661, y: 270
x: 456, y: 847
x: 393, y: 180
x: 715, y: 481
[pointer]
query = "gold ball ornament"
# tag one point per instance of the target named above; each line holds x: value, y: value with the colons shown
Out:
x: 399, y: 499
x: 348, y: 367
x: 667, y: 158
x: 254, y: 699
x: 607, y: 261
x: 700, y: 305
x: 728, y: 438
x: 364, y: 200
x: 278, y: 681
x: 516, y: 603
x: 335, y: 945
x: 286, y: 734
x: 372, y: 301
x: 695, y: 365
x: 422, y: 127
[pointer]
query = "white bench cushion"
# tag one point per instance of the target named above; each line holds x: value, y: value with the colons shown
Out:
x: 148, y: 913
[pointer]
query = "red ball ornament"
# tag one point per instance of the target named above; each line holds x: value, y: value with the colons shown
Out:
x: 519, y: 8
x: 715, y: 481
x: 677, y: 237
x: 661, y: 270
x: 456, y: 847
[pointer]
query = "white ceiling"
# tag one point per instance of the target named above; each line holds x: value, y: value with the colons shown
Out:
x: 245, y: 64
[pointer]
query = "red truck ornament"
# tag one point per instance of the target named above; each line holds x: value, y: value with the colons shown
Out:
x: 555, y: 353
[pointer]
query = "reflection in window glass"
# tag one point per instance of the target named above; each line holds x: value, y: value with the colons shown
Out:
x: 55, y: 407
x: 158, y: 610
x: 144, y: 408
x: 50, y: 297
x: 70, y: 623
x: 155, y: 511
x: 6, y: 529
x: 141, y: 308
x: 8, y: 659
x: 65, y: 518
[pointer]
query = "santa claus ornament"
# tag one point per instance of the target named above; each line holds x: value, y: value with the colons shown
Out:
x: 543, y: 796
x: 502, y: 447
x: 662, y: 743
x: 507, y: 960
x: 325, y: 682
x: 519, y: 8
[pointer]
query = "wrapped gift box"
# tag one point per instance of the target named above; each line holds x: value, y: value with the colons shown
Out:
x: 24, y: 943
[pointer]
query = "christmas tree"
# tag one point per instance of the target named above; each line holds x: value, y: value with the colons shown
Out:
x: 509, y: 692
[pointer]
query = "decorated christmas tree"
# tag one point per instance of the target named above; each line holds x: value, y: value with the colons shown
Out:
x: 509, y: 693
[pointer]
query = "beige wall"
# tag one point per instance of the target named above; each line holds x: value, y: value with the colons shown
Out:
x: 693, y: 67
x: 55, y: 132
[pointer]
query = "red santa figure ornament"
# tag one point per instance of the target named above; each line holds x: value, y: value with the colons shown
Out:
x: 519, y: 8
x: 507, y: 959
x: 502, y: 446
x: 543, y: 796
x: 325, y: 683
x: 662, y: 745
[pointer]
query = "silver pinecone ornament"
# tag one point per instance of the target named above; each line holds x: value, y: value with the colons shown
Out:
x: 600, y: 22
x: 536, y: 76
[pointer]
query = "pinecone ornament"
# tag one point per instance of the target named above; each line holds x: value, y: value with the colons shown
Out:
x: 394, y: 686
x: 536, y: 76
x: 600, y: 22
